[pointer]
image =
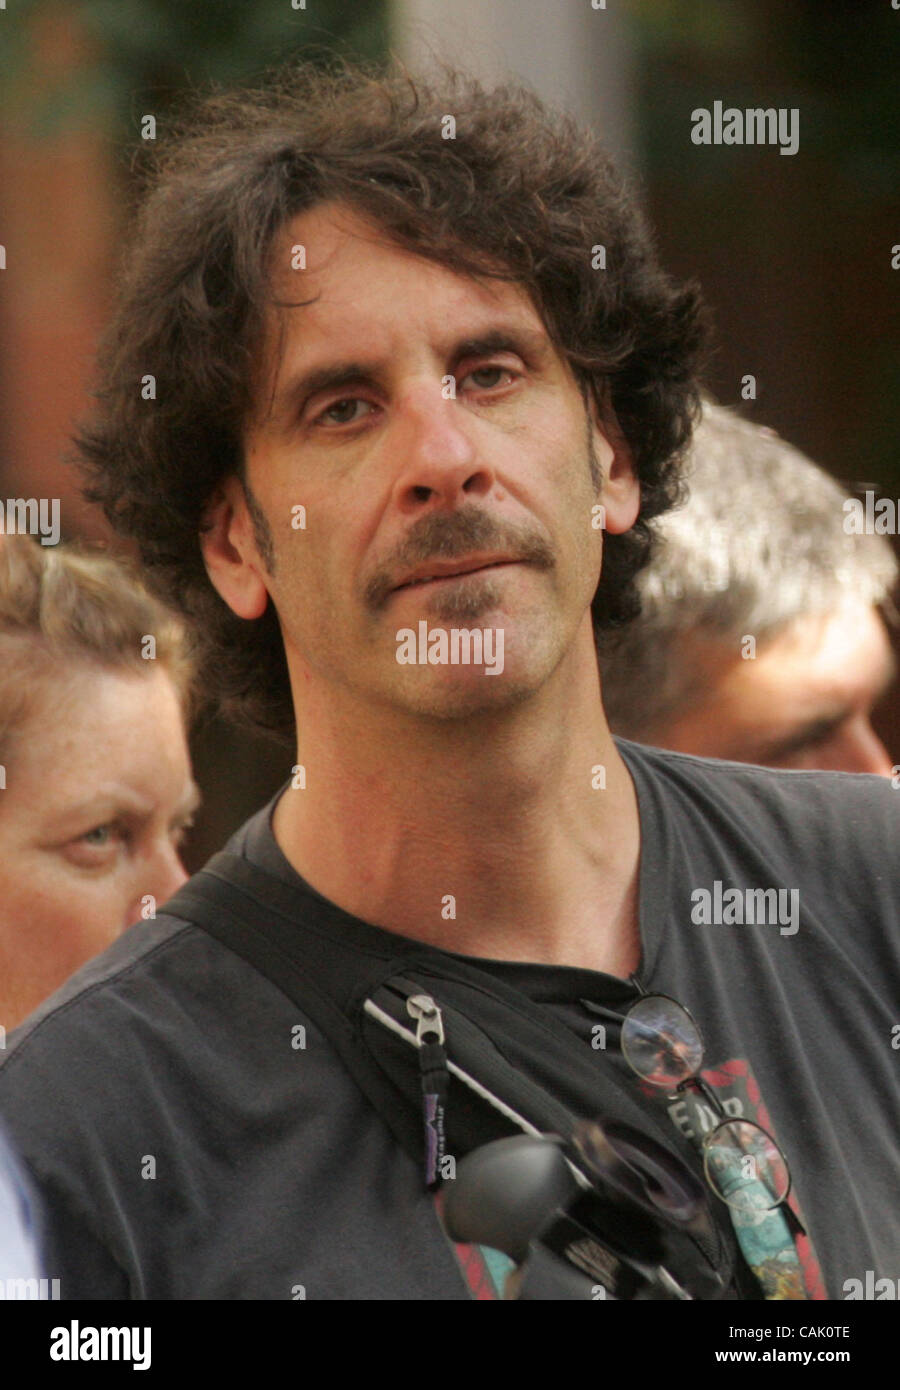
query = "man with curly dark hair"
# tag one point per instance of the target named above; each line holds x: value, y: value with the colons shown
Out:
x: 212, y: 285
x: 404, y: 567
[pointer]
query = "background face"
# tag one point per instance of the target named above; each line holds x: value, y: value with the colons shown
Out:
x: 804, y: 701
x: 98, y: 793
x: 400, y: 475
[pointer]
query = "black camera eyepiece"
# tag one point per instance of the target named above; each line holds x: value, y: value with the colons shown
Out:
x: 583, y: 1219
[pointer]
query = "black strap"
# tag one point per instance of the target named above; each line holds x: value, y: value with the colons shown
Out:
x: 239, y: 920
x: 329, y: 963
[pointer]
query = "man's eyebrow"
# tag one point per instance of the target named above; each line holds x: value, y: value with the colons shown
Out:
x: 527, y: 343
x: 301, y: 388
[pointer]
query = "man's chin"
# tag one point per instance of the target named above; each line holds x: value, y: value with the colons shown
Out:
x: 460, y: 682
x: 436, y: 696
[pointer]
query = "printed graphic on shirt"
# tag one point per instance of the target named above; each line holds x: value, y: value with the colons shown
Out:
x: 785, y: 1264
x: 484, y: 1270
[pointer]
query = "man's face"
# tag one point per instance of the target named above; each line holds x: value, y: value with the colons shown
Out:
x: 804, y: 701
x: 424, y: 423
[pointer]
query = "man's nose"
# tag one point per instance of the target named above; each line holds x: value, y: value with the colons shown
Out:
x: 437, y: 452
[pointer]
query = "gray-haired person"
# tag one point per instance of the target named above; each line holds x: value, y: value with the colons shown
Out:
x: 760, y: 638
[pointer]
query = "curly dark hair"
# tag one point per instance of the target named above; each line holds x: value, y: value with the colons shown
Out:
x: 522, y: 193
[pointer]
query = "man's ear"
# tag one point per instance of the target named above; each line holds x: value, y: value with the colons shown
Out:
x: 229, y: 551
x: 621, y: 492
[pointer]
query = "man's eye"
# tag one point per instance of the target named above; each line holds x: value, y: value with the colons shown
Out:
x: 338, y: 413
x: 488, y: 371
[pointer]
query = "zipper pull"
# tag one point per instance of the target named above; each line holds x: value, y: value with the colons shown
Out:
x: 435, y: 1077
x: 428, y: 1017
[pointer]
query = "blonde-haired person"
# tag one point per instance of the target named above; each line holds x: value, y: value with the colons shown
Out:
x: 95, y: 688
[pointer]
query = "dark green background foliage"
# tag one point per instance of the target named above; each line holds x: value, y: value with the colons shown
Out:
x: 794, y: 252
x: 837, y: 59
x: 146, y: 52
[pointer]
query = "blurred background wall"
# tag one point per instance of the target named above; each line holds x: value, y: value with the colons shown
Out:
x: 794, y: 252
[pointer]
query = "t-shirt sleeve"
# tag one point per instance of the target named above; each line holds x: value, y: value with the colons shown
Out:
x: 850, y: 838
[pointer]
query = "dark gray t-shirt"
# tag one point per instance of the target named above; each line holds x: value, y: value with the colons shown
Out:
x: 186, y: 1148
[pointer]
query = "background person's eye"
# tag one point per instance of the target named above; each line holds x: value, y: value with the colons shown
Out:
x: 99, y: 847
x: 179, y: 832
x: 100, y: 835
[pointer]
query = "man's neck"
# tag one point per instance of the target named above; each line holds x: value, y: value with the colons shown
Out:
x: 509, y: 837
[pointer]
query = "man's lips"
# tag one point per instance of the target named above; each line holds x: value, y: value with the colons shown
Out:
x: 439, y: 572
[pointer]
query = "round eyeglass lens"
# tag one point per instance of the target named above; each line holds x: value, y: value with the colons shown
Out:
x: 660, y: 1041
x: 745, y: 1167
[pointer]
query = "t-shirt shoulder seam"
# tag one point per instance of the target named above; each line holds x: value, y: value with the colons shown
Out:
x: 719, y: 767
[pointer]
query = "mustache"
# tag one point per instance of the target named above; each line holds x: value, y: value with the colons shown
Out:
x: 452, y: 537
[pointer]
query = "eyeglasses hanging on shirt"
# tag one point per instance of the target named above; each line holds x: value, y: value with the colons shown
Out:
x: 742, y: 1163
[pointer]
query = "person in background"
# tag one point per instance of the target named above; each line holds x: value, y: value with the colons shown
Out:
x: 96, y: 788
x: 20, y: 1263
x: 760, y: 638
